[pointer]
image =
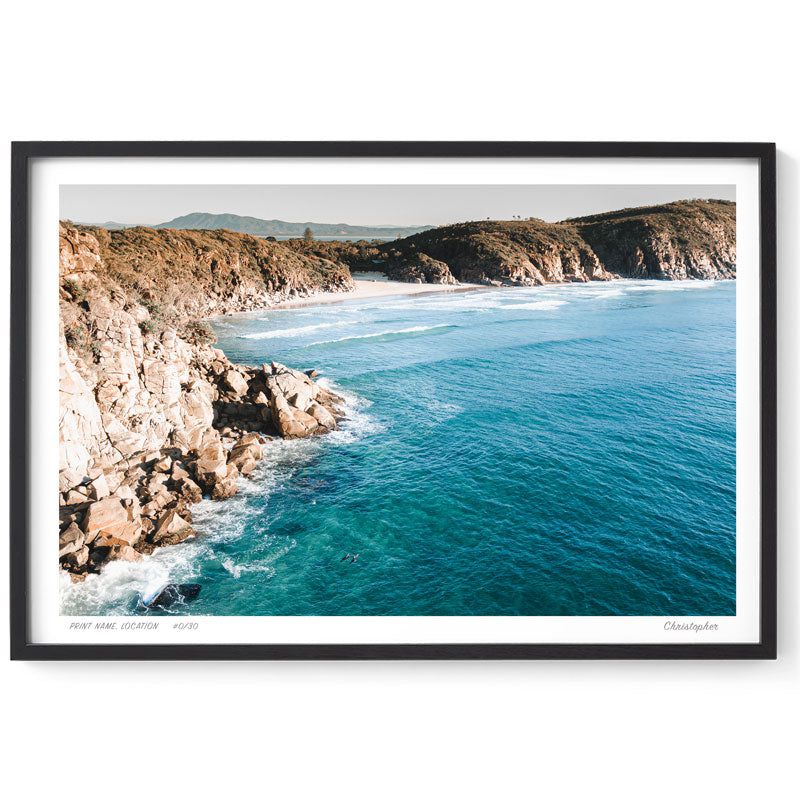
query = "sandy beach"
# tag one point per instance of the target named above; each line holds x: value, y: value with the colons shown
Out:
x: 378, y: 287
x: 367, y: 287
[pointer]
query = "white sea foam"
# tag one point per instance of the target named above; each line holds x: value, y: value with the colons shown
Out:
x: 237, y: 570
x: 538, y: 305
x: 122, y: 586
x: 457, y: 306
x: 286, y: 333
x: 358, y: 424
x: 415, y: 329
x: 669, y: 286
x: 434, y: 411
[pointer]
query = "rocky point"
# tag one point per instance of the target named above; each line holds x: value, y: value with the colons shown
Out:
x: 153, y: 418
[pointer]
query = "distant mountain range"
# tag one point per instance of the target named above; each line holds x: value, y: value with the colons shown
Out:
x: 276, y: 227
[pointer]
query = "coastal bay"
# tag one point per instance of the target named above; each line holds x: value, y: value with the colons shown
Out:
x: 506, y: 451
x: 222, y: 394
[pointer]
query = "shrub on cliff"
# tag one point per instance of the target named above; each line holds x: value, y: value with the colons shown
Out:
x: 198, y: 331
x: 74, y: 289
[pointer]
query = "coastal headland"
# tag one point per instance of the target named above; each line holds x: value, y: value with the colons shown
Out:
x: 153, y: 417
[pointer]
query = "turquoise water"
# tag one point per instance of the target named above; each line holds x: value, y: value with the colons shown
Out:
x: 561, y: 450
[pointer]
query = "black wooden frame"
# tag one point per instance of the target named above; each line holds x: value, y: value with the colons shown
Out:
x: 22, y: 152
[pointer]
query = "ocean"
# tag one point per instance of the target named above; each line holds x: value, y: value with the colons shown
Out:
x: 557, y: 450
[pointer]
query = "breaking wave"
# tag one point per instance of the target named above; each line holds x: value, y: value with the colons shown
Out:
x: 539, y: 305
x: 386, y: 335
x: 286, y: 333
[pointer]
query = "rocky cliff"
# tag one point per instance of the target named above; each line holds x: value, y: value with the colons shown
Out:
x: 186, y: 274
x: 687, y: 239
x: 152, y: 416
x: 692, y: 239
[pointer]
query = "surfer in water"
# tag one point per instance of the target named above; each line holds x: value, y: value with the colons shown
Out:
x: 355, y: 557
x: 346, y: 557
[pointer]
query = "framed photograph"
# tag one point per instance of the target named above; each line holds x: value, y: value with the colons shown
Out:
x: 367, y: 400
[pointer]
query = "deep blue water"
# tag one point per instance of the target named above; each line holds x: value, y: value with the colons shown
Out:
x: 562, y: 450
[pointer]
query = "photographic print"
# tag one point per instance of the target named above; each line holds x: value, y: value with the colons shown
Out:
x: 356, y: 406
x: 483, y: 400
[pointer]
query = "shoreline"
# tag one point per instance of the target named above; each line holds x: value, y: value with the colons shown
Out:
x: 385, y: 289
x: 364, y: 290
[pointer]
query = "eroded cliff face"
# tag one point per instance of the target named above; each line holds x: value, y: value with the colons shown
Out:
x: 508, y: 253
x: 687, y: 239
x: 695, y: 239
x: 151, y: 421
x: 492, y: 253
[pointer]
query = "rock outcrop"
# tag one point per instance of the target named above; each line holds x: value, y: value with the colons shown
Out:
x: 687, y: 239
x: 505, y: 253
x: 695, y: 239
x: 150, y: 420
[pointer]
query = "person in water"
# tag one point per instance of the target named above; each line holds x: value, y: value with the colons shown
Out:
x: 355, y: 557
x: 346, y: 557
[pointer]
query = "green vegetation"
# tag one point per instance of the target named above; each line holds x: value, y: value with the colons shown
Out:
x: 199, y: 332
x: 75, y: 336
x: 75, y: 289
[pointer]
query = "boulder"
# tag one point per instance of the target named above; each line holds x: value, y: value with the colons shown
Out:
x: 127, y: 495
x: 155, y: 502
x: 211, y: 464
x: 129, y: 535
x: 98, y: 488
x: 113, y: 480
x: 174, y: 593
x: 322, y: 416
x: 189, y: 490
x: 179, y: 472
x: 107, y: 517
x: 157, y: 483
x: 245, y: 448
x: 227, y: 486
x: 296, y: 387
x: 76, y: 496
x: 67, y: 479
x: 163, y: 464
x: 292, y: 423
x: 70, y: 541
x: 244, y: 457
x: 246, y: 466
x: 77, y: 560
x: 236, y: 382
x: 123, y: 552
x: 171, y: 529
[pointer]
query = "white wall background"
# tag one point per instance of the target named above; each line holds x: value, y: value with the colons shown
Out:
x: 413, y: 70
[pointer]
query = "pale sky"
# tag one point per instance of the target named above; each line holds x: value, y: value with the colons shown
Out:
x: 366, y: 204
